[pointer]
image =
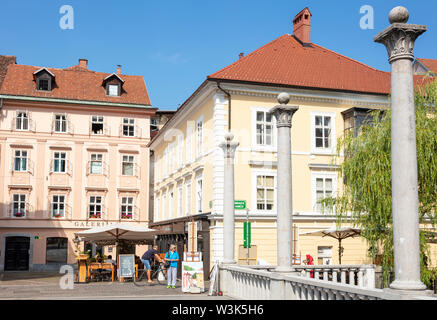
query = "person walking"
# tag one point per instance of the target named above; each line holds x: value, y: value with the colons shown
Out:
x: 173, y: 257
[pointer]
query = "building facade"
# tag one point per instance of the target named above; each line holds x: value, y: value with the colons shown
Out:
x: 73, y: 155
x: 333, y: 93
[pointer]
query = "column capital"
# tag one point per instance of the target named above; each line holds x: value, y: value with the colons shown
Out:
x: 399, y: 37
x: 229, y: 146
x: 282, y: 112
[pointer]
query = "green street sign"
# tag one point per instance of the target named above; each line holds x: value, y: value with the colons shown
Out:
x: 247, y: 234
x: 240, y: 204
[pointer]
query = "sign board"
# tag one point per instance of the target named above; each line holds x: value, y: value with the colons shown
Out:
x: 192, y: 277
x: 247, y: 234
x: 246, y: 256
x: 126, y: 265
x: 240, y: 204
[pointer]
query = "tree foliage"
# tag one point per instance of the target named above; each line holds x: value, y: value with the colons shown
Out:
x: 365, y: 167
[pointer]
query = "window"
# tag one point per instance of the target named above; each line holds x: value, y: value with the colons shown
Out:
x: 20, y: 160
x: 323, y: 185
x: 56, y: 250
x: 128, y: 127
x: 127, y: 168
x: 127, y: 207
x: 113, y: 90
x: 157, y: 203
x: 164, y: 205
x: 323, y: 132
x: 96, y: 164
x: 165, y: 168
x: 60, y: 123
x: 43, y: 84
x: 22, y: 121
x: 199, y: 195
x: 324, y: 255
x: 179, y: 211
x: 154, y: 124
x: 189, y: 150
x: 264, y: 129
x: 97, y: 125
x: 59, y: 162
x: 95, y: 207
x: 180, y: 150
x: 265, y: 192
x: 199, y: 131
x: 58, y: 206
x: 19, y: 205
x: 188, y: 197
x: 170, y: 204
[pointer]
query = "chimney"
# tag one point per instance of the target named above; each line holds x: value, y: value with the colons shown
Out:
x: 119, y: 69
x: 302, y: 26
x: 83, y: 63
x: 241, y: 55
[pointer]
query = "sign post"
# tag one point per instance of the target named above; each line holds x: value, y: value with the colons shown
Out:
x: 247, y: 235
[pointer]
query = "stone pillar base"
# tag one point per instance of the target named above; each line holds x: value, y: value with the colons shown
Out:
x: 284, y: 269
x: 407, y: 285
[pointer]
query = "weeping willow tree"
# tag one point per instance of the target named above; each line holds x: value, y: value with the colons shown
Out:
x: 365, y: 167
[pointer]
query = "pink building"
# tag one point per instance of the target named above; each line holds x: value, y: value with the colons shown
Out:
x: 73, y: 155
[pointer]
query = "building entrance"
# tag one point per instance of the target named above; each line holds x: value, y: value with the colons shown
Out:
x: 17, y: 253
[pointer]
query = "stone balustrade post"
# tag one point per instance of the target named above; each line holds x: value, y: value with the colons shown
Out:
x: 399, y: 40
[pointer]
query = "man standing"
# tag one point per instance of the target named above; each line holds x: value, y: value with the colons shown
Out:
x: 148, y: 257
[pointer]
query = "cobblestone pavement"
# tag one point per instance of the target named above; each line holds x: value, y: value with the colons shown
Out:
x: 46, y: 286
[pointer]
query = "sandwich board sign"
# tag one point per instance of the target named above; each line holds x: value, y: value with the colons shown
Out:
x: 127, y: 265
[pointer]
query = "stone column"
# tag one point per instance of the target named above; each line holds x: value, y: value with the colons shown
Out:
x: 283, y: 115
x: 229, y: 147
x: 399, y: 40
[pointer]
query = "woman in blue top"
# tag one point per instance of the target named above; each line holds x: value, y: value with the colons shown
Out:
x: 173, y: 257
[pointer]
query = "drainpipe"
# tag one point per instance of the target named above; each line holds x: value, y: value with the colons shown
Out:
x: 229, y: 105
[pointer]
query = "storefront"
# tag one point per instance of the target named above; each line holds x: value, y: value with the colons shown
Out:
x: 176, y: 232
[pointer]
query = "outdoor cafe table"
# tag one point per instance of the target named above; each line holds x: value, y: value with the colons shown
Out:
x: 99, y: 266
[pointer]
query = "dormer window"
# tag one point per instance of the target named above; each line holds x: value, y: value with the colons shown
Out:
x: 113, y: 90
x: 113, y: 85
x: 44, y: 79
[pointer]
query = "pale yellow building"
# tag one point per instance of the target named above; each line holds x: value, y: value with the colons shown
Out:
x: 333, y: 93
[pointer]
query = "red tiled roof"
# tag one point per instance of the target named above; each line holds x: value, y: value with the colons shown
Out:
x: 431, y: 64
x: 285, y: 61
x: 74, y: 83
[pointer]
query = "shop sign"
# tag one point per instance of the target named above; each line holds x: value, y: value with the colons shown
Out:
x: 91, y: 224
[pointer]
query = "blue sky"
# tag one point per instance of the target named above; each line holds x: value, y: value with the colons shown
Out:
x: 176, y: 44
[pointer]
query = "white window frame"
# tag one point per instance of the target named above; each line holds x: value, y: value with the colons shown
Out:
x: 323, y: 175
x: 98, y: 120
x: 20, y: 203
x: 179, y: 201
x: 96, y: 160
x: 199, y: 137
x: 23, y: 119
x: 21, y: 158
x: 124, y: 202
x: 95, y: 203
x: 199, y: 198
x: 60, y: 159
x: 157, y: 203
x: 180, y: 149
x: 255, y: 146
x: 123, y: 162
x: 164, y: 205
x: 65, y: 120
x: 170, y: 203
x: 314, y: 149
x: 189, y: 144
x: 111, y: 93
x: 188, y: 197
x: 128, y: 122
x: 255, y: 174
x: 58, y: 203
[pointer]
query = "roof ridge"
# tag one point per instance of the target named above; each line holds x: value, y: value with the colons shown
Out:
x: 348, y: 58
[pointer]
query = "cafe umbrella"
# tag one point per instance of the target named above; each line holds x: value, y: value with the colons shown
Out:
x: 116, y: 233
x: 336, y: 233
